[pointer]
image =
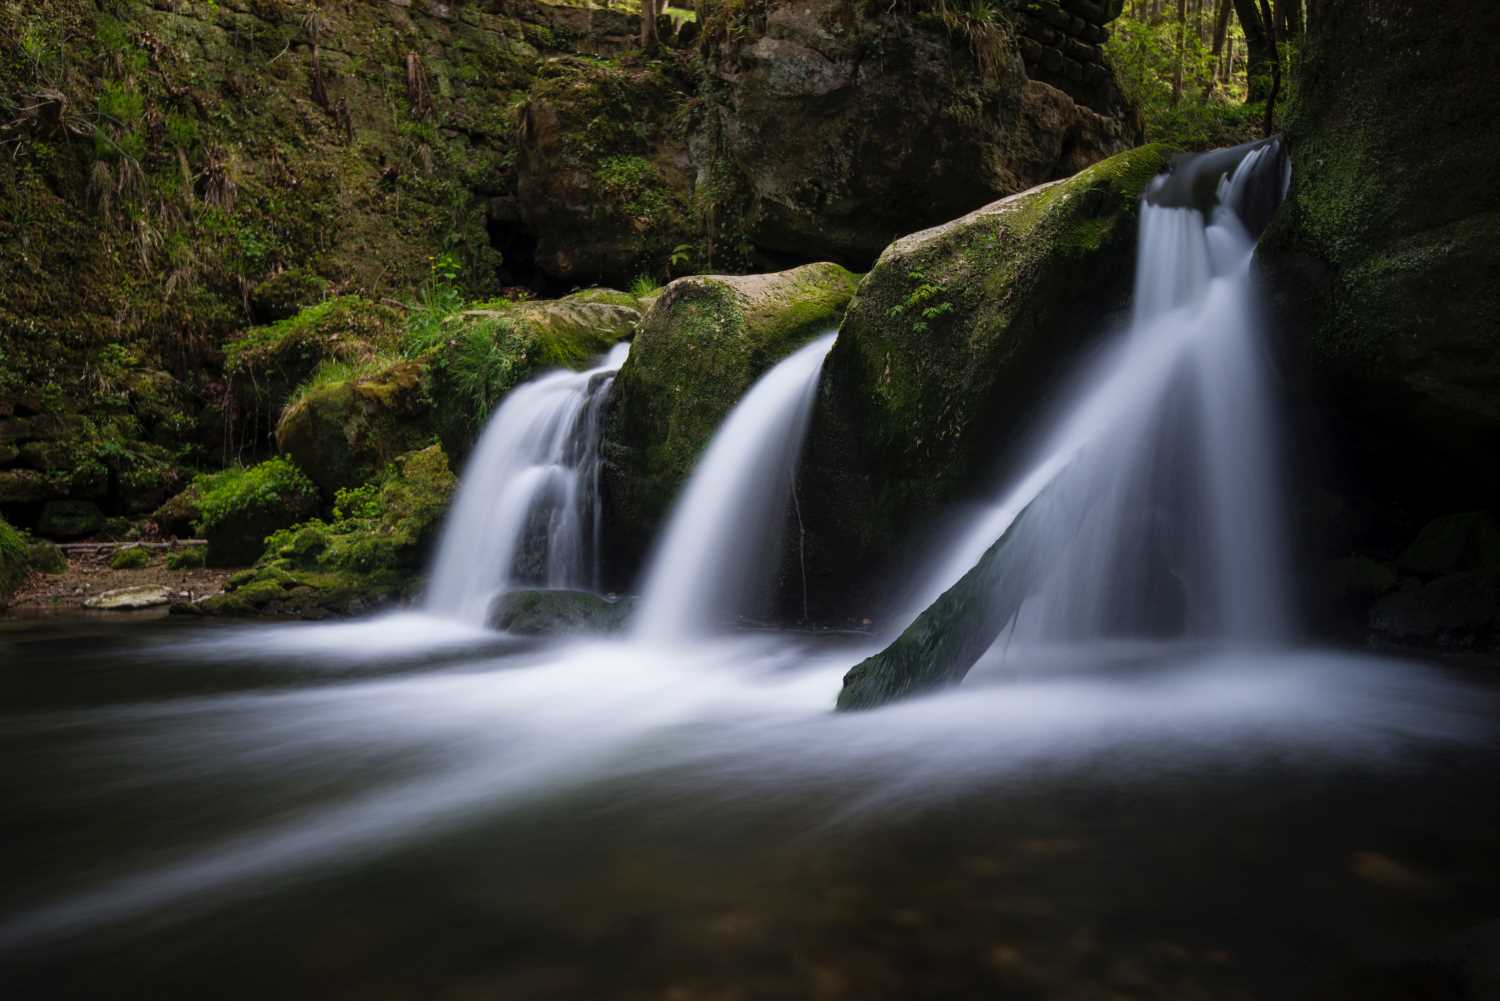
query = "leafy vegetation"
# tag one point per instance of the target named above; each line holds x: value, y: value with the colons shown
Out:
x: 130, y: 558
x: 13, y: 559
x: 269, y: 486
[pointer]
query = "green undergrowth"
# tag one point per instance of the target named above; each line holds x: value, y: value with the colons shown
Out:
x: 14, y: 558
x: 130, y: 558
x: 229, y: 493
x: 368, y: 552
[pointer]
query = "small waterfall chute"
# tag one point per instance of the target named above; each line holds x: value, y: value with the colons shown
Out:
x: 724, y: 533
x: 527, y: 511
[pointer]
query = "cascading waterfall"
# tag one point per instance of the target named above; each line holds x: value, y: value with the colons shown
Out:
x: 527, y: 510
x: 1167, y: 452
x: 726, y: 526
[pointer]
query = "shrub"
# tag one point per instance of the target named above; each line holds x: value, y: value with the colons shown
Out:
x: 129, y: 558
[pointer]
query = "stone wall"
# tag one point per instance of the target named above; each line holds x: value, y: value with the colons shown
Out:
x: 1062, y: 43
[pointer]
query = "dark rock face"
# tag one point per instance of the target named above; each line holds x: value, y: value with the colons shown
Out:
x: 950, y: 344
x: 1383, y: 261
x: 886, y: 122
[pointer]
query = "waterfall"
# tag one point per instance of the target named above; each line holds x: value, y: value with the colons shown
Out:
x: 527, y: 510
x: 724, y: 534
x: 1168, y: 444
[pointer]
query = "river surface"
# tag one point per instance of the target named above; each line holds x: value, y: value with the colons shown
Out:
x: 405, y: 809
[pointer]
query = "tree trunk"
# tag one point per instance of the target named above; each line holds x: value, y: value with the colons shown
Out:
x: 1181, y: 51
x: 1260, y: 51
x: 1270, y: 122
x: 649, y: 38
x: 1221, y: 25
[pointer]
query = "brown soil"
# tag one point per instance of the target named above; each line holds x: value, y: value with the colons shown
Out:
x: 89, y: 574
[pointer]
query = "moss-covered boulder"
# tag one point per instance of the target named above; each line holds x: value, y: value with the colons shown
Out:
x: 1453, y: 544
x: 343, y: 433
x: 551, y: 613
x: 14, y: 560
x: 954, y: 339
x: 370, y: 553
x: 47, y: 558
x: 1383, y: 259
x: 486, y: 352
x: 702, y: 344
x: 239, y: 507
x: 266, y: 366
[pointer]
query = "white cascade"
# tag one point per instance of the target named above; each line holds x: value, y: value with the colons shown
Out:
x: 724, y: 533
x: 527, y: 511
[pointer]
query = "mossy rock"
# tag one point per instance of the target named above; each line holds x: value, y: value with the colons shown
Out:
x: 130, y: 558
x: 492, y: 349
x: 179, y: 514
x: 553, y: 613
x: 239, y: 508
x: 23, y: 486
x: 15, y: 559
x: 70, y: 519
x: 370, y: 554
x: 268, y: 364
x: 345, y: 432
x: 701, y: 346
x: 607, y: 297
x: 954, y: 340
x: 1383, y: 263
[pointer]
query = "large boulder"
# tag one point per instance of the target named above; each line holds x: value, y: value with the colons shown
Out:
x: 951, y: 343
x: 1383, y: 259
x: 887, y: 121
x: 700, y: 347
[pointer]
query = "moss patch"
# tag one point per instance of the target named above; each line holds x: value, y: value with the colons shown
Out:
x: 14, y: 560
x: 130, y: 558
x: 368, y: 553
x: 239, y: 507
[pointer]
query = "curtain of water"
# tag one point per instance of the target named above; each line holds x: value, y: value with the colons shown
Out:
x: 724, y: 534
x: 527, y: 510
x: 1169, y: 441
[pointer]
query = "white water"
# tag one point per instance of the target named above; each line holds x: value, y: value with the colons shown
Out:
x: 1170, y: 438
x: 366, y: 767
x: 533, y: 478
x: 724, y: 534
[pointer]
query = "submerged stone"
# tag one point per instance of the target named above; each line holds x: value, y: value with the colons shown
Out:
x: 549, y: 613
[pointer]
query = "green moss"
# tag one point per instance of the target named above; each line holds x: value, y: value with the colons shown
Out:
x: 130, y: 558
x: 186, y: 558
x: 239, y: 507
x: 47, y: 558
x: 700, y: 347
x: 369, y: 553
x: 14, y: 559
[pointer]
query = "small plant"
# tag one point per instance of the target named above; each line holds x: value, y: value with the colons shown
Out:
x: 644, y: 286
x: 129, y: 558
x: 186, y: 558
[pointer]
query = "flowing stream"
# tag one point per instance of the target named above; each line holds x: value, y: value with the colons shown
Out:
x: 1150, y: 793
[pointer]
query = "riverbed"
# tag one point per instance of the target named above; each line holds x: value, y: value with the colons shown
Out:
x: 405, y: 808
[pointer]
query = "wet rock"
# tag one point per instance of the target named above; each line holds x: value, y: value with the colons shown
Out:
x: 955, y: 338
x: 1460, y: 612
x: 702, y: 344
x: 1383, y: 263
x: 129, y: 599
x: 551, y: 613
x: 241, y: 507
